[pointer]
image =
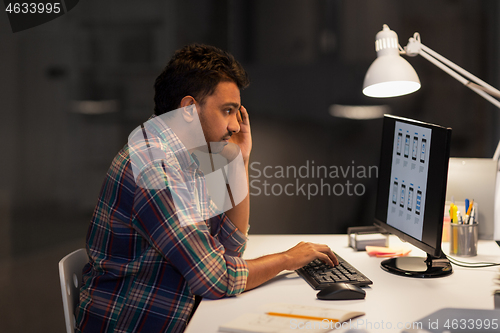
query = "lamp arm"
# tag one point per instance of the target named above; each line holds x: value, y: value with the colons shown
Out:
x: 496, y: 155
x: 471, y: 85
x: 482, y: 88
x: 488, y: 88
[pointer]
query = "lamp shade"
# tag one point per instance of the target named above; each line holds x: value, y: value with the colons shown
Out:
x: 389, y: 75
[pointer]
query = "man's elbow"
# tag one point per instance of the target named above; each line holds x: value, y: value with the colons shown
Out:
x: 216, y: 290
x: 210, y: 292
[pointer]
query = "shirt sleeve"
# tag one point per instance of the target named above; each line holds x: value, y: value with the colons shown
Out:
x: 232, y: 238
x: 168, y: 218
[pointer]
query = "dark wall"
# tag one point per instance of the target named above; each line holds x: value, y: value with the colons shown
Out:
x: 302, y: 57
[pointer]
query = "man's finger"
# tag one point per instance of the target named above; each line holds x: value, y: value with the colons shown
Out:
x: 334, y: 259
x: 240, y: 116
x: 326, y: 259
x: 326, y: 250
x: 243, y: 113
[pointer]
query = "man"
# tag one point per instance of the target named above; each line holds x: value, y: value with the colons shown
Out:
x: 157, y: 239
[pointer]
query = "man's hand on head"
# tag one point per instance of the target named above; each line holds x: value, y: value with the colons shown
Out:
x: 244, y: 137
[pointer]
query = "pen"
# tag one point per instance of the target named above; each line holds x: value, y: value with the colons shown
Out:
x: 278, y: 314
x: 472, y: 217
x: 469, y: 210
x: 467, y: 206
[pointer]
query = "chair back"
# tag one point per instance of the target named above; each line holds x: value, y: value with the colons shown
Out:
x: 70, y: 275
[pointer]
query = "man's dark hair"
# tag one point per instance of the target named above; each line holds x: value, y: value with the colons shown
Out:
x: 196, y: 70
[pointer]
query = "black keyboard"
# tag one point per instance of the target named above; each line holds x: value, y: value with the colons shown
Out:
x: 320, y: 275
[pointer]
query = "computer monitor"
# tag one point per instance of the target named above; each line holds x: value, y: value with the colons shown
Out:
x: 411, y: 192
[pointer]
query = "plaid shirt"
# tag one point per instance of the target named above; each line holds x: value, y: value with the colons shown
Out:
x: 145, y: 265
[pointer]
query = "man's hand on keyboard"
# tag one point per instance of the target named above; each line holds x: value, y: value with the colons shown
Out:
x: 304, y: 252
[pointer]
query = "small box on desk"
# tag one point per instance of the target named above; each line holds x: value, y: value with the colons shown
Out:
x: 361, y: 237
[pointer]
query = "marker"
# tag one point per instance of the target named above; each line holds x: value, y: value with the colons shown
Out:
x: 470, y: 207
x: 453, y: 213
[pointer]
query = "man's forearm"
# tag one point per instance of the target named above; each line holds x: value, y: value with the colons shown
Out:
x: 263, y: 269
x: 240, y: 213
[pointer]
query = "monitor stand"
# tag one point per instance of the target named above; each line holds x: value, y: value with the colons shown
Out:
x: 417, y: 267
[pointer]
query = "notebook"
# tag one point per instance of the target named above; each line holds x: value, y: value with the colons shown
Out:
x: 288, y: 318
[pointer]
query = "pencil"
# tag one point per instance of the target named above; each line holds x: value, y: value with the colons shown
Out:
x: 278, y: 314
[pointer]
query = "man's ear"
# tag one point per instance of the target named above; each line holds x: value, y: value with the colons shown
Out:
x: 187, y: 113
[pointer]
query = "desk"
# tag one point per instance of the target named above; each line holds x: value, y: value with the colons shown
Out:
x: 390, y: 301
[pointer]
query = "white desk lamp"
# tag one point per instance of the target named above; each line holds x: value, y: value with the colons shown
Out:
x: 390, y: 75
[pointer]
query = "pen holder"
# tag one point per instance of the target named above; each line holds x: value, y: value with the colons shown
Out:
x: 446, y: 220
x: 463, y: 239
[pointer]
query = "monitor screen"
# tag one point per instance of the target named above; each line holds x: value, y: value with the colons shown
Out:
x: 412, y: 188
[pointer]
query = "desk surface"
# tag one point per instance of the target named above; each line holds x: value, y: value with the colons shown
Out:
x: 391, y: 301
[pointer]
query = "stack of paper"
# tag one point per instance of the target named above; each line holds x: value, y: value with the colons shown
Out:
x: 379, y: 251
